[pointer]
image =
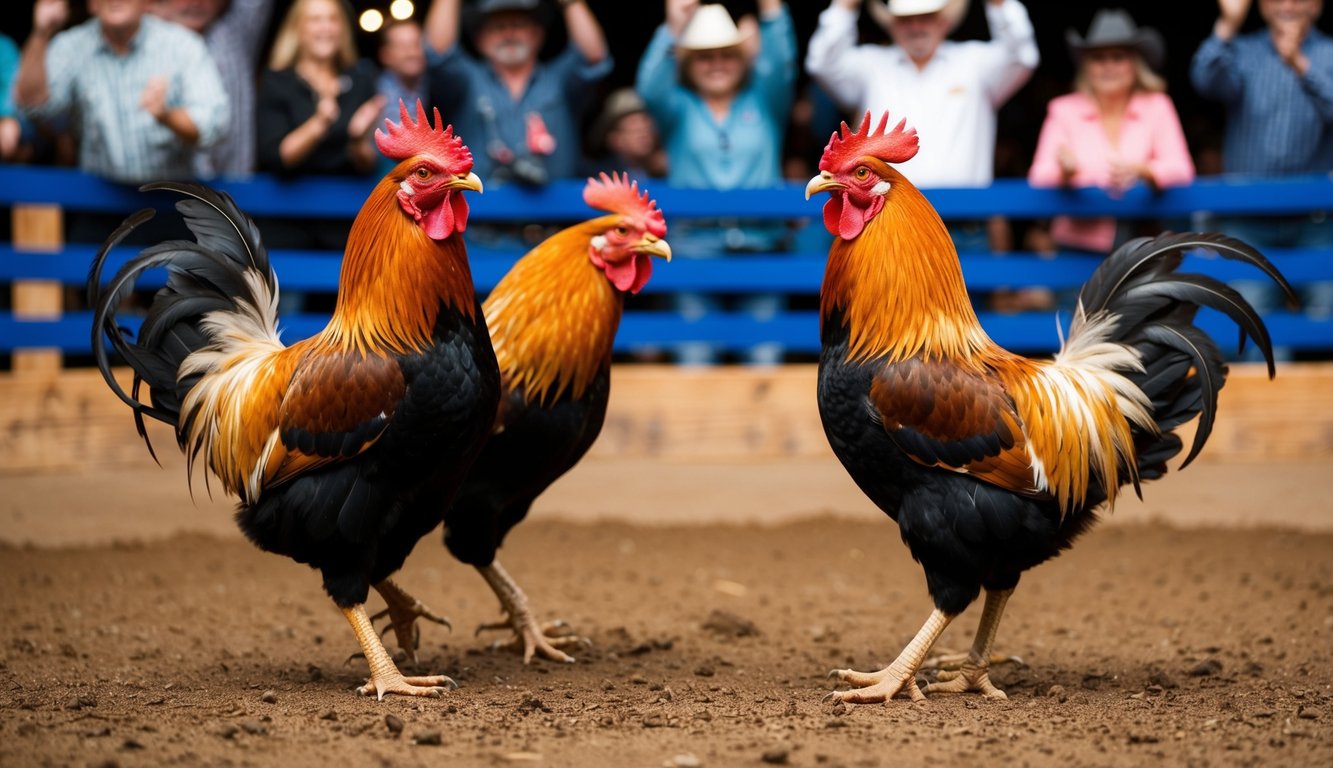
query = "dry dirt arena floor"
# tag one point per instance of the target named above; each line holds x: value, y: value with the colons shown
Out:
x: 1147, y: 644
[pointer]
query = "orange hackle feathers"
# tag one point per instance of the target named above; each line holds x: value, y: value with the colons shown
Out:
x: 904, y: 255
x: 896, y: 146
x: 395, y: 309
x: 553, y: 318
x: 399, y: 141
x: 617, y: 194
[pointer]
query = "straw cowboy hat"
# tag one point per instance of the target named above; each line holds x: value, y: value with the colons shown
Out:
x: 710, y: 28
x: 1114, y: 28
x: 953, y: 10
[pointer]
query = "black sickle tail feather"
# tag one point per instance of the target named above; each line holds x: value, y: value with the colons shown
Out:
x: 202, y: 277
x: 1156, y: 307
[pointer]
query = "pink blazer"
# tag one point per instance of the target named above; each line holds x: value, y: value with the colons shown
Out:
x: 1150, y: 135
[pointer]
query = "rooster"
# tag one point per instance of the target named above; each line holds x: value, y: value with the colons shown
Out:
x: 340, y: 447
x: 552, y: 319
x: 992, y: 463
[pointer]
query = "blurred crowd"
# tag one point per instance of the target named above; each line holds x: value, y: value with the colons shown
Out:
x: 721, y: 98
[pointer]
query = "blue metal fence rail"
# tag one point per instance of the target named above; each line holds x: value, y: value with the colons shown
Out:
x: 796, y: 273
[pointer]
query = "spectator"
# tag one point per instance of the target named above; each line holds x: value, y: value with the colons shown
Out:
x: 403, y: 73
x: 317, y: 102
x: 10, y: 131
x: 722, y: 102
x: 520, y: 115
x: 316, y: 114
x: 1116, y: 129
x: 142, y: 94
x: 624, y: 138
x: 1277, y: 86
x: 950, y: 91
x: 233, y: 30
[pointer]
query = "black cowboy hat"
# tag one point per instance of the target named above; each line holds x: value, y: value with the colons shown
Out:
x: 1114, y: 28
x: 475, y: 13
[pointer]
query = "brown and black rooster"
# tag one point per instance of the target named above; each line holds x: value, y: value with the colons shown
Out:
x: 340, y: 447
x: 992, y: 463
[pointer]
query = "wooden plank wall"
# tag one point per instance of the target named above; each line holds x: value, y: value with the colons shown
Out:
x: 54, y: 420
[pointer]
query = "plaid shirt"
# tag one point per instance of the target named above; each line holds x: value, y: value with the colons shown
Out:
x: 233, y: 40
x: 1277, y: 121
x: 118, y: 139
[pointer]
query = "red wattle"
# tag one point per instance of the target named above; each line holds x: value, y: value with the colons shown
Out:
x: 623, y: 274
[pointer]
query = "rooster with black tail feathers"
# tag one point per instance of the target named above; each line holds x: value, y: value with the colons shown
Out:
x: 343, y: 448
x: 992, y: 463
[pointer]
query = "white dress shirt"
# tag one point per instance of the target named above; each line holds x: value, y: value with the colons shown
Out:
x: 951, y: 102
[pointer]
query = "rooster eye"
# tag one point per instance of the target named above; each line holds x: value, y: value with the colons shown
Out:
x: 423, y: 173
x: 622, y: 230
x: 862, y: 172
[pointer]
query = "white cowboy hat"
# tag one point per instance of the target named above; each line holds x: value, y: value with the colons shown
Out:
x: 953, y: 10
x: 710, y: 28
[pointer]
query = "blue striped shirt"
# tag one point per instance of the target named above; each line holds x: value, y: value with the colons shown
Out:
x: 101, y: 89
x: 1277, y: 122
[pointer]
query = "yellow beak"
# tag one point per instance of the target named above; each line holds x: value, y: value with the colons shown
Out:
x: 470, y: 182
x: 824, y: 182
x: 652, y: 245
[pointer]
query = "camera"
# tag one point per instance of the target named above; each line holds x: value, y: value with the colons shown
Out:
x: 524, y: 170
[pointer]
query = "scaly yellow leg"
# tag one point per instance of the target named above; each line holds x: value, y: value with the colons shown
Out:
x: 899, y: 675
x: 384, y: 676
x: 534, y: 638
x: 403, y: 611
x: 974, y: 674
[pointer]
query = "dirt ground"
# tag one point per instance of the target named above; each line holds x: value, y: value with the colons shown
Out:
x: 709, y: 646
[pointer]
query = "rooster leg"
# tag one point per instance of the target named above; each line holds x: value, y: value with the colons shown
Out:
x: 533, y: 637
x: 403, y: 611
x: 899, y: 675
x: 384, y: 676
x: 974, y: 673
x: 949, y: 662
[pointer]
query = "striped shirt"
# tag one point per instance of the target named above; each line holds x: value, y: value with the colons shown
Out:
x: 233, y: 40
x: 119, y: 139
x: 1277, y: 122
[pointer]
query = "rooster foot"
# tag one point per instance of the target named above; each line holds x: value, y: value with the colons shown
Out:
x: 544, y: 641
x: 971, y: 677
x: 876, y: 687
x: 949, y: 662
x: 403, y: 610
x: 431, y: 685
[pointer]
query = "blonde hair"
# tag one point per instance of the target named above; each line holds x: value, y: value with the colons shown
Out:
x: 287, y: 43
x: 1145, y: 79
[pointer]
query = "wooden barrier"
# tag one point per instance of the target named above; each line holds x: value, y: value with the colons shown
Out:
x: 67, y: 420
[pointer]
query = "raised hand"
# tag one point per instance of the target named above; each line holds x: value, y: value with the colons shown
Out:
x: 1231, y: 16
x: 678, y: 14
x: 48, y: 16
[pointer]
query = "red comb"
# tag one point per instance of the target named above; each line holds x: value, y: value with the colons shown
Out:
x: 896, y: 146
x: 415, y: 137
x: 617, y: 194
